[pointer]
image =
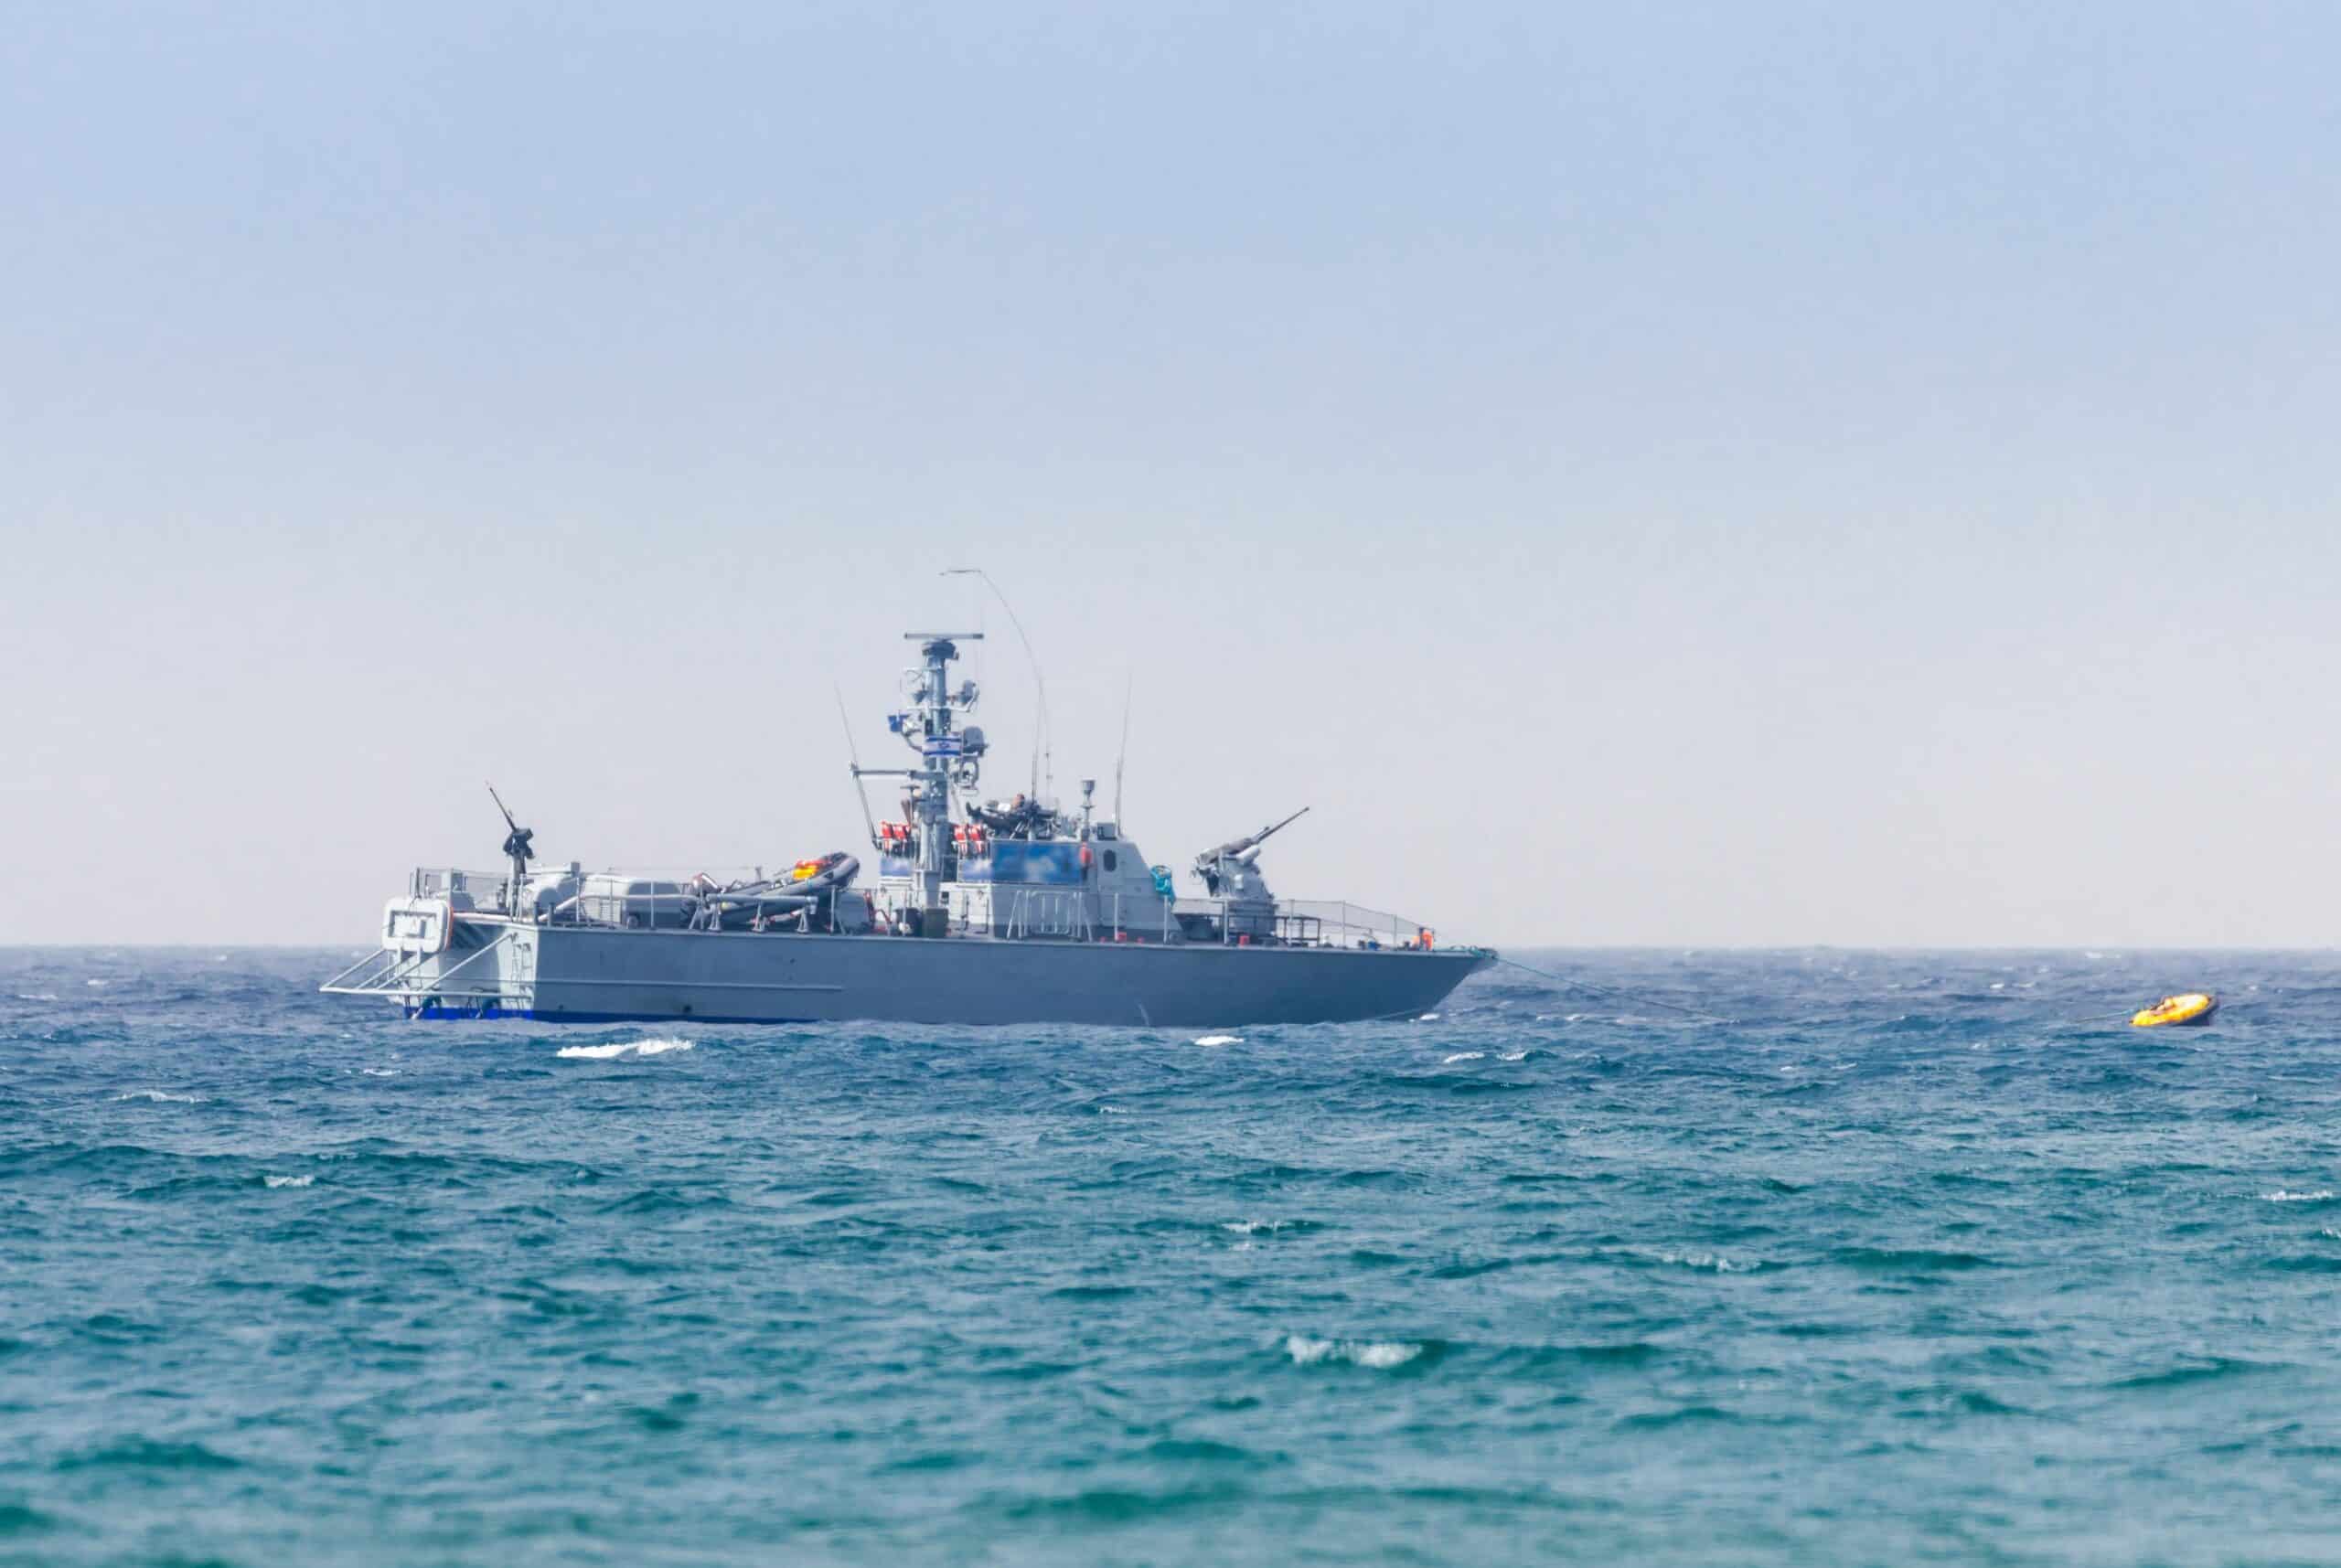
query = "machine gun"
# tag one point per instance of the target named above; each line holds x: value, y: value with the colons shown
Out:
x: 517, y: 848
x: 1230, y: 862
x: 517, y: 842
x: 1019, y: 818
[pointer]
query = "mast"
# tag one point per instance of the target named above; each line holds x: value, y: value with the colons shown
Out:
x: 941, y: 748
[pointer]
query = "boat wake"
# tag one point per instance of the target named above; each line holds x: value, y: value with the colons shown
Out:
x: 629, y: 1051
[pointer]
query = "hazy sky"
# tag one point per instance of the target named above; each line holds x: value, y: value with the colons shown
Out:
x: 1658, y: 474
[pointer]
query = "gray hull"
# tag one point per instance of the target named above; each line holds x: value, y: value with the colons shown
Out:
x: 585, y: 975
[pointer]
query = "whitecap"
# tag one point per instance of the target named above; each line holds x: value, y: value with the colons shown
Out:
x: 629, y: 1051
x: 1219, y: 1039
x: 2322, y: 1195
x: 1514, y: 1056
x: 1246, y: 1227
x: 379, y: 1072
x: 1714, y: 1261
x: 1466, y: 1056
x: 97, y: 982
x: 1378, y: 1354
x: 36, y: 996
x: 1427, y: 1018
x: 1111, y: 1110
x: 288, y: 1180
x: 160, y: 1098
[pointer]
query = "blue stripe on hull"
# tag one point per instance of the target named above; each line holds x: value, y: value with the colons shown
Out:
x: 438, y: 1014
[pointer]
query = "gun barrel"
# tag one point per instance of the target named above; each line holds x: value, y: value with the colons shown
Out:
x: 1236, y: 846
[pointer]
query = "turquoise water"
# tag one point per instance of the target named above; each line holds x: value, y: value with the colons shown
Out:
x: 1925, y: 1258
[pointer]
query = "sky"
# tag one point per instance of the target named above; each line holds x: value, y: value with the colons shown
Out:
x: 1679, y: 474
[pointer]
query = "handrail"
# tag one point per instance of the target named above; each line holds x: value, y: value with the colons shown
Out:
x: 391, y: 978
x: 1029, y: 914
x: 377, y: 960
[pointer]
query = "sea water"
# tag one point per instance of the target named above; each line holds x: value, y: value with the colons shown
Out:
x: 1914, y: 1257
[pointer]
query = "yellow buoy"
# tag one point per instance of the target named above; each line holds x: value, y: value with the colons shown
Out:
x: 2191, y: 1008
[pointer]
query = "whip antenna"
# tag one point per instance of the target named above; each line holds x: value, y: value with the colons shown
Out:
x: 1040, y: 741
x: 1128, y: 683
x: 853, y: 754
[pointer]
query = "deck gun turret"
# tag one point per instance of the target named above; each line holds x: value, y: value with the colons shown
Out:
x: 1232, y: 872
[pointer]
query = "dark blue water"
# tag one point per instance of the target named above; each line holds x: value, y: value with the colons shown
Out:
x: 1925, y: 1258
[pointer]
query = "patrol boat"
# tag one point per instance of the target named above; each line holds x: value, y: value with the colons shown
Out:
x: 981, y: 913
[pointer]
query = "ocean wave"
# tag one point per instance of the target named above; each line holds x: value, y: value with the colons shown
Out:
x: 629, y: 1051
x: 159, y: 1096
x: 1219, y: 1039
x: 275, y: 1181
x: 1376, y: 1354
x: 1715, y: 1262
x: 150, y: 1453
x: 1909, y: 1259
x: 2322, y: 1195
x: 1466, y: 1056
x: 2196, y: 1370
x: 1682, y: 1415
x: 1514, y: 1056
x: 1246, y: 1227
x: 1427, y: 1018
x: 36, y: 996
x: 16, y: 1518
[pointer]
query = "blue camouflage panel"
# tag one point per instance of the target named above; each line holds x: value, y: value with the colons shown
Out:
x: 1022, y: 861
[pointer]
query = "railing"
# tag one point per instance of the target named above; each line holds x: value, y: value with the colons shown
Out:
x: 402, y: 974
x: 1060, y: 912
x: 1030, y: 913
x: 1140, y: 919
x: 598, y: 897
x: 1312, y: 922
x: 463, y: 890
x: 1298, y: 922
